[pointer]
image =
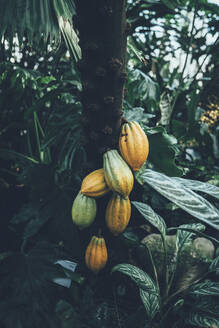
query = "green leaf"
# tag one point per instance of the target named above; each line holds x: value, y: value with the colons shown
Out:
x: 137, y: 114
x: 140, y: 277
x: 11, y: 154
x: 152, y: 217
x: 200, y: 320
x: 151, y: 303
x: 215, y: 265
x: 206, y: 288
x: 199, y: 186
x: 172, y: 4
x: 185, y: 198
x: 196, y: 232
x: 183, y: 236
x: 162, y: 151
x: 34, y: 19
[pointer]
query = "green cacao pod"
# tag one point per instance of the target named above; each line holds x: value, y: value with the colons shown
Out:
x: 94, y: 184
x: 133, y: 145
x: 96, y: 254
x: 118, y: 174
x: 83, y: 211
x: 118, y: 214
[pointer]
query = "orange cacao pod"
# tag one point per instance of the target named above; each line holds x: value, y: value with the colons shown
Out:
x: 96, y: 254
x: 117, y: 173
x: 133, y: 145
x: 118, y: 214
x: 94, y: 184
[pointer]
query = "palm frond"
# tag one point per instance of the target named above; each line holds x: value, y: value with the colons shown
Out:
x: 37, y: 19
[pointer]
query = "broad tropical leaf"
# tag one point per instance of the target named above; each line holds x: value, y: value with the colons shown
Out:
x: 163, y: 151
x: 183, y: 236
x: 140, y: 277
x: 152, y: 217
x: 185, y: 198
x: 207, y: 288
x: 151, y: 303
x: 196, y: 232
x: 199, y: 186
x: 201, y: 320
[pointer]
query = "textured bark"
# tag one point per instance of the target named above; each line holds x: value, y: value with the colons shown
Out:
x: 102, y: 33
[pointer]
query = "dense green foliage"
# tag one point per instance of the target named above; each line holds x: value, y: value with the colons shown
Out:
x: 172, y: 66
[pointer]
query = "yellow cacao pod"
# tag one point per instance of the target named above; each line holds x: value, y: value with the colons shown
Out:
x: 117, y: 173
x: 118, y: 214
x: 133, y: 145
x: 96, y: 254
x: 94, y: 184
x: 83, y: 211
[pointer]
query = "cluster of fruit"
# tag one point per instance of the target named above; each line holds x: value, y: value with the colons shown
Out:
x: 116, y: 176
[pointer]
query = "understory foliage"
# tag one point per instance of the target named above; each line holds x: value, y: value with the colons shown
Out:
x: 165, y: 265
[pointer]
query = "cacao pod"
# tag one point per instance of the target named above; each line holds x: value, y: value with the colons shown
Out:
x: 133, y: 145
x: 96, y: 254
x: 94, y: 184
x: 83, y: 210
x: 118, y: 214
x: 117, y: 173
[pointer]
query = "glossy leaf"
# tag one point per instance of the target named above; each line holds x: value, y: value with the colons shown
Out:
x: 199, y: 186
x: 201, y: 320
x: 183, y: 236
x: 140, y: 277
x: 207, y: 288
x: 152, y: 217
x: 151, y: 303
x: 163, y: 151
x: 185, y: 198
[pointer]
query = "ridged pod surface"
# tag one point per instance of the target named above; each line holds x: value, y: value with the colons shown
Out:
x: 118, y: 214
x: 83, y: 211
x: 118, y: 174
x: 96, y: 254
x: 94, y: 184
x: 133, y: 145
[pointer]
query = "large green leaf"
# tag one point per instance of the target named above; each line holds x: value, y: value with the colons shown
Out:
x: 183, y: 236
x: 162, y: 151
x: 140, y: 277
x: 200, y: 320
x: 151, y: 303
x: 207, y: 288
x: 199, y: 186
x: 185, y: 198
x: 196, y: 232
x: 152, y: 217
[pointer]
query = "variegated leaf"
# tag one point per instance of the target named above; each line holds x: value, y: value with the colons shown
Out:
x: 185, y: 198
x: 152, y: 217
x: 140, y: 277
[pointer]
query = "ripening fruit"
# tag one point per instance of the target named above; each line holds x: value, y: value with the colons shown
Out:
x: 83, y: 211
x: 94, y: 184
x: 133, y: 145
x: 118, y: 214
x: 96, y: 254
x: 118, y: 175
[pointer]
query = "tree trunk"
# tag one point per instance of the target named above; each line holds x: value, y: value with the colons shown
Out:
x: 102, y: 33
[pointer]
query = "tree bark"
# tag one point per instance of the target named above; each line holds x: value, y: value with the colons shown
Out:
x: 102, y: 34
